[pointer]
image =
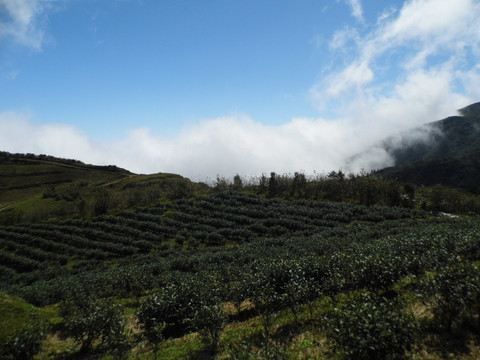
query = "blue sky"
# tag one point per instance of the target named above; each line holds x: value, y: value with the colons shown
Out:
x: 218, y: 87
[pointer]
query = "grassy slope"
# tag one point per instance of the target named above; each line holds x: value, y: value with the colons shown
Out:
x: 36, y: 188
x: 25, y: 179
x: 16, y: 314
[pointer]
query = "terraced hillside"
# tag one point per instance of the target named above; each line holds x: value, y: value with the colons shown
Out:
x: 39, y: 187
x: 233, y: 275
x: 223, y: 219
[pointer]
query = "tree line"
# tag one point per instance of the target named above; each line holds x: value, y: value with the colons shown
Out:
x: 363, y: 188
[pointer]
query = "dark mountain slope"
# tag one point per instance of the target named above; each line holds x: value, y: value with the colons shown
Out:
x: 463, y: 173
x: 453, y: 137
x: 447, y: 152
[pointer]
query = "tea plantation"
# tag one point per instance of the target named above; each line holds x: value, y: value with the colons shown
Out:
x: 239, y: 276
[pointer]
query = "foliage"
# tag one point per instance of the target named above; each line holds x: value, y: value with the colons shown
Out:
x: 371, y: 327
x: 89, y: 319
x: 453, y: 295
x: 209, y: 320
x: 279, y: 255
x: 23, y: 345
x: 180, y: 308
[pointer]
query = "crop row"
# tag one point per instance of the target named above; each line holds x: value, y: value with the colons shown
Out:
x: 357, y: 268
x: 211, y: 221
x: 355, y: 257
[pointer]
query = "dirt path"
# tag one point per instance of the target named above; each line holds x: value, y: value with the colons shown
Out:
x: 5, y: 207
x: 117, y: 181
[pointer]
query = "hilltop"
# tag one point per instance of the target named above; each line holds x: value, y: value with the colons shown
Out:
x: 39, y: 187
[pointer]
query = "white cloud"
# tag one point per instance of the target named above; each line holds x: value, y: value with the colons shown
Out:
x: 470, y: 80
x: 342, y: 38
x: 225, y: 146
x: 385, y: 15
x: 237, y: 144
x: 422, y: 28
x: 234, y: 144
x: 427, y: 19
x: 18, y: 134
x: 23, y: 21
x: 357, y: 11
x: 426, y: 28
x: 354, y: 75
x: 414, y: 65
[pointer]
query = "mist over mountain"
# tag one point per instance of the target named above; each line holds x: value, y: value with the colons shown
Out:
x: 453, y: 137
x: 445, y: 152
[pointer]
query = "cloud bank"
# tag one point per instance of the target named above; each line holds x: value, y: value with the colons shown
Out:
x: 222, y: 146
x: 414, y: 65
x: 225, y: 146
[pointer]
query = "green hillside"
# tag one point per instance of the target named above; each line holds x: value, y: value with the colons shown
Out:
x: 17, y: 314
x: 100, y: 263
x: 40, y: 187
x: 238, y: 276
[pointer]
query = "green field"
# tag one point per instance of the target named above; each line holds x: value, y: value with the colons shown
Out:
x: 233, y: 275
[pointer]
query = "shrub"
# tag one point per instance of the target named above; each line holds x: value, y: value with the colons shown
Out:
x: 24, y: 345
x: 371, y: 327
x: 454, y: 295
x: 151, y: 322
x: 175, y: 306
x: 209, y: 321
x: 90, y: 319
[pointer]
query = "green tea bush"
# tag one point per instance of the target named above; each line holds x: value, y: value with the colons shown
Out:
x: 87, y: 320
x: 209, y: 321
x: 151, y: 323
x: 454, y: 295
x: 175, y: 306
x: 24, y: 345
x: 370, y: 327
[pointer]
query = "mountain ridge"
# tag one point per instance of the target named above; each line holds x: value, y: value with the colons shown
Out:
x: 452, y: 137
x: 447, y: 153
